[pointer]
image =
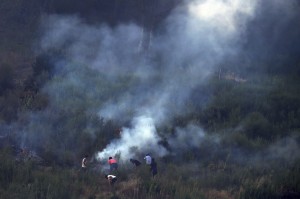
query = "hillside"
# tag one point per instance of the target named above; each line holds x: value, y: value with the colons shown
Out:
x: 210, y: 89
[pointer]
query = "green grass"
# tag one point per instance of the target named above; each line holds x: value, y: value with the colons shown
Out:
x: 29, y: 180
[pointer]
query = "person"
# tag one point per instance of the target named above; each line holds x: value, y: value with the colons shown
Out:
x: 113, y: 164
x: 153, y: 167
x: 111, y: 179
x: 135, y: 162
x: 148, y: 159
x: 84, y: 163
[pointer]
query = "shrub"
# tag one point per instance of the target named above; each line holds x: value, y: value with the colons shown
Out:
x: 257, y: 126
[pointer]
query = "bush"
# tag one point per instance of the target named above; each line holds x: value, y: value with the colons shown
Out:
x: 257, y: 126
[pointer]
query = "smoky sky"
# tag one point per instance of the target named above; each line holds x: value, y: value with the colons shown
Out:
x: 106, y: 71
x: 272, y: 37
x: 113, y: 13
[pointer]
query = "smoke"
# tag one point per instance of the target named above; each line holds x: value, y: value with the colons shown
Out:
x: 283, y: 152
x: 225, y: 16
x: 143, y: 135
x: 105, y: 73
x: 285, y: 149
x: 184, y: 56
x: 155, y: 85
x: 271, y: 38
x: 191, y: 136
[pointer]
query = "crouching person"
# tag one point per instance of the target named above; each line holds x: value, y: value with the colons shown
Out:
x: 135, y: 162
x: 111, y: 180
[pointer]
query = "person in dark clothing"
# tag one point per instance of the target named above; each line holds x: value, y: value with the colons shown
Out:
x: 153, y: 167
x: 135, y: 162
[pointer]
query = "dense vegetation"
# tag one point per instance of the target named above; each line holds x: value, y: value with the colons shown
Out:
x: 257, y: 122
x: 216, y: 180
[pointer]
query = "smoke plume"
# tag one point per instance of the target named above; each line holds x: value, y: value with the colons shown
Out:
x: 150, y: 86
x: 189, y: 50
x: 194, y: 42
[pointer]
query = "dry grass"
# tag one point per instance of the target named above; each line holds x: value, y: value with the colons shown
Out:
x: 130, y: 188
x: 218, y: 194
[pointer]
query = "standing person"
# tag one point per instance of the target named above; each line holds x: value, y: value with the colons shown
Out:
x: 148, y: 159
x: 153, y: 167
x: 112, y: 164
x: 84, y: 163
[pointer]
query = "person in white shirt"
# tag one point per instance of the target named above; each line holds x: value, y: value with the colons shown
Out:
x: 148, y: 159
x: 111, y: 179
x: 84, y: 163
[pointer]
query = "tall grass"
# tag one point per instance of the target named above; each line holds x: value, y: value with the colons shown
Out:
x: 174, y: 181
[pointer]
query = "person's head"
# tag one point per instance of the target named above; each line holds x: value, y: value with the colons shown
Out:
x: 110, y: 158
x: 86, y: 156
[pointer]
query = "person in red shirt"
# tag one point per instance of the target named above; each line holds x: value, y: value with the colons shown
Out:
x: 113, y: 164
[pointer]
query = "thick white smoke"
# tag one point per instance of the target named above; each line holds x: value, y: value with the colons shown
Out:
x: 191, y: 136
x: 225, y: 16
x: 142, y: 136
x: 196, y: 38
x: 195, y: 42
